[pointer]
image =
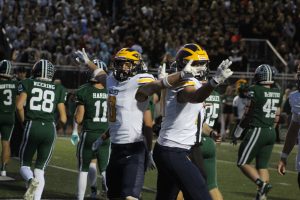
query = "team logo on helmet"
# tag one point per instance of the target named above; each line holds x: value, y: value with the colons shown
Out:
x: 43, y: 70
x: 5, y: 69
x: 197, y: 54
x: 127, y: 63
x: 264, y: 74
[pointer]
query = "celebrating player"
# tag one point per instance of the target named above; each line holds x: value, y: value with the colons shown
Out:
x: 260, y: 117
x: 42, y: 97
x: 177, y: 135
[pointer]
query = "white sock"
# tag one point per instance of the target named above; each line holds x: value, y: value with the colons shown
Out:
x: 39, y: 175
x: 93, y: 174
x: 82, y: 179
x: 26, y: 173
x: 103, y: 174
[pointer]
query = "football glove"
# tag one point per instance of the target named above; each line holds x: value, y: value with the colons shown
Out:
x: 81, y: 56
x: 223, y: 72
x: 238, y: 131
x: 74, y: 137
x: 96, y: 145
x: 151, y: 164
x: 189, y: 71
x: 162, y: 71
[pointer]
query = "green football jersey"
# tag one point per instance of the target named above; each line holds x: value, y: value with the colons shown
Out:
x: 265, y: 103
x: 42, y: 99
x: 8, y: 93
x: 212, y: 108
x: 94, y: 101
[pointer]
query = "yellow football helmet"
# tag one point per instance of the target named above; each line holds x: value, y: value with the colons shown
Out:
x: 193, y: 52
x: 127, y: 63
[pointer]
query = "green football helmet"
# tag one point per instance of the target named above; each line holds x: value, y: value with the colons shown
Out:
x: 5, y: 69
x: 43, y: 70
x: 264, y: 74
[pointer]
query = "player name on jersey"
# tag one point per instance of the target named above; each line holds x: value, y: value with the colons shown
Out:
x: 7, y: 86
x: 213, y: 98
x: 99, y: 96
x: 272, y: 94
x: 44, y: 85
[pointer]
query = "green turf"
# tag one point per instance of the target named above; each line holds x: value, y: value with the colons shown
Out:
x: 61, y: 176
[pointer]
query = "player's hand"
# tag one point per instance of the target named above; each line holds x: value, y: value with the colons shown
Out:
x: 223, y: 72
x: 81, y: 56
x: 216, y: 136
x: 96, y: 145
x: 188, y: 71
x: 162, y: 71
x: 281, y: 167
x: 151, y: 164
x: 74, y: 137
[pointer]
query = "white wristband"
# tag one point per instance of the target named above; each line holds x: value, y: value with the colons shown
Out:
x: 166, y: 83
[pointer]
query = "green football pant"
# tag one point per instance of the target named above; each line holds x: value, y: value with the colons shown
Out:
x: 258, y: 143
x: 7, y: 122
x: 38, y: 137
x: 85, y: 153
x: 208, y: 150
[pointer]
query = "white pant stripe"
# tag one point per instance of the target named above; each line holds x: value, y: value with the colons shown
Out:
x: 247, y: 147
x: 251, y: 147
x: 25, y: 140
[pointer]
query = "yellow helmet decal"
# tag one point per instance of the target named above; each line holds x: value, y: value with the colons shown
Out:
x: 128, y: 54
x: 199, y: 54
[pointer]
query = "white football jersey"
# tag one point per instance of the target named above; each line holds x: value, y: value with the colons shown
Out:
x: 179, y: 126
x: 240, y: 103
x: 125, y: 113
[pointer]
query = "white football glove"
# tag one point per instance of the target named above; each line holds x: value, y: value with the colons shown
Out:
x: 188, y: 71
x: 81, y: 56
x: 162, y: 71
x: 223, y: 72
x: 74, y: 137
x: 238, y: 131
x: 151, y: 164
x: 96, y: 145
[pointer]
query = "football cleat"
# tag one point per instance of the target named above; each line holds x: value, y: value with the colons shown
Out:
x: 263, y: 191
x: 33, y: 184
x: 93, y: 192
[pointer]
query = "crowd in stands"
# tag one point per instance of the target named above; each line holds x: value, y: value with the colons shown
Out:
x: 55, y: 28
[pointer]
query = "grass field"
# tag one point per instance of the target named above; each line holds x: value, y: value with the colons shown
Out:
x: 61, y: 177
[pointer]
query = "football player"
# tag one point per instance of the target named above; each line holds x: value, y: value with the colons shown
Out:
x: 8, y: 92
x: 42, y: 98
x: 91, y: 112
x: 125, y: 171
x: 179, y: 126
x: 260, y: 117
x: 210, y: 137
x: 293, y: 131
